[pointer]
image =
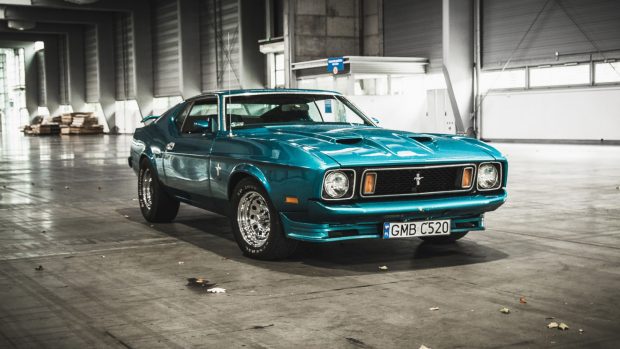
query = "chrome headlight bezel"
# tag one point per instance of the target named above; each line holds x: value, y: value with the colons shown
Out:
x: 350, y: 174
x: 499, y: 177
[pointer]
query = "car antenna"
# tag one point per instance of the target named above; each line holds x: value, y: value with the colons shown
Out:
x: 230, y: 134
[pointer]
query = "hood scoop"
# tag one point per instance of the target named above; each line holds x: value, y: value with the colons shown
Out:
x: 422, y: 139
x: 349, y: 140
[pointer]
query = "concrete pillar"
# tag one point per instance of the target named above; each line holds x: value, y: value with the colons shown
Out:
x: 251, y: 29
x: 189, y: 47
x: 32, y: 101
x: 458, y: 60
x: 107, y: 88
x: 75, y: 63
x: 143, y: 58
x: 52, y: 75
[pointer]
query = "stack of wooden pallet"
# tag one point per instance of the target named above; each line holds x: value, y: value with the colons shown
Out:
x: 82, y: 123
x: 42, y: 129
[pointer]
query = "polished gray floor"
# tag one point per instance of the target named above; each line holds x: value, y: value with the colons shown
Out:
x: 110, y: 279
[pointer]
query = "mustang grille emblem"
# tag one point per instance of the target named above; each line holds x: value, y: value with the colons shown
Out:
x: 417, y: 179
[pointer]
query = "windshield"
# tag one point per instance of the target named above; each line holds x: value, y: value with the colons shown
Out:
x: 266, y: 109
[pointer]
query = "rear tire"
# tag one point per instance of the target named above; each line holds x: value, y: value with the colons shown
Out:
x: 442, y: 240
x: 256, y: 223
x: 156, y: 204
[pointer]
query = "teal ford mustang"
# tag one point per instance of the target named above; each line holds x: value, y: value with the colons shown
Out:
x: 307, y: 165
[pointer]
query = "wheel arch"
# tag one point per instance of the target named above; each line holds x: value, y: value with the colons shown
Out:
x: 242, y: 171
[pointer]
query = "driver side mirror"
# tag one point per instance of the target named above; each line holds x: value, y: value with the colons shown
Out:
x: 203, y: 126
x: 375, y: 120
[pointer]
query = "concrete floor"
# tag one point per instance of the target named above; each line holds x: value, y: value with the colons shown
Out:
x: 109, y: 279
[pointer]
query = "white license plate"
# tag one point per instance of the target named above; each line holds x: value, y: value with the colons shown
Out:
x: 393, y: 230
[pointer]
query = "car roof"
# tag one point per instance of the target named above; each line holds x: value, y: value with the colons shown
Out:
x: 266, y: 91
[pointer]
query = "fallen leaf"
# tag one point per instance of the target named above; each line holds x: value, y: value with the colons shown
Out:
x: 562, y: 326
x: 126, y: 216
x: 181, y: 262
x: 39, y: 268
x: 67, y: 187
x: 434, y: 308
x: 581, y: 331
x: 216, y: 290
x: 552, y: 325
x: 424, y: 347
x: 522, y: 300
x: 505, y: 310
x: 383, y: 267
x: 102, y: 256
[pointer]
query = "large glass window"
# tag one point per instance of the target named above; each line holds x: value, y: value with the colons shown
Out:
x: 497, y: 79
x: 265, y: 109
x: 607, y: 72
x: 560, y: 75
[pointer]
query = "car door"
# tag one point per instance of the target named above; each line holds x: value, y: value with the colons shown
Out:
x: 187, y: 155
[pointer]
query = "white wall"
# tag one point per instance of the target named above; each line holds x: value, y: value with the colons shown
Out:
x: 558, y: 114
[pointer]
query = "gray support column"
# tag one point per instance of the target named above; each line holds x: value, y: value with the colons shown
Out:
x: 75, y: 58
x: 32, y: 103
x: 251, y: 29
x: 52, y: 75
x: 458, y: 60
x: 189, y: 41
x: 143, y: 58
x: 105, y: 52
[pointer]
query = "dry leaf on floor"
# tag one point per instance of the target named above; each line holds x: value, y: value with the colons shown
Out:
x: 181, y: 262
x: 580, y: 330
x: 39, y: 268
x: 552, y: 325
x: 67, y: 187
x: 434, y: 308
x: 216, y: 290
x: 424, y: 347
x: 522, y: 300
x: 383, y: 267
x: 562, y: 326
x: 504, y: 310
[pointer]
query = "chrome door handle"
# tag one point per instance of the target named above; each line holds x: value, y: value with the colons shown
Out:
x: 170, y: 146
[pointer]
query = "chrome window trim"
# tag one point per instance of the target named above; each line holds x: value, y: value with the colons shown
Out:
x: 414, y: 168
x: 500, y: 178
x: 352, y: 187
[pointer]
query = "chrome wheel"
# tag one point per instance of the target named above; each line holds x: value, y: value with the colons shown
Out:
x: 147, y: 189
x: 253, y: 219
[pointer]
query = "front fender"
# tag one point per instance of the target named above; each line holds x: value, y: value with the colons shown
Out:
x: 251, y: 170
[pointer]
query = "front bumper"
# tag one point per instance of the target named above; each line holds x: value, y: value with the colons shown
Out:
x: 335, y: 222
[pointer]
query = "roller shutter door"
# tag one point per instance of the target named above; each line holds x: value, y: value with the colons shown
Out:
x: 413, y: 29
x: 166, y: 63
x: 124, y: 57
x: 505, y: 22
x: 42, y: 90
x: 219, y: 22
x: 92, y: 64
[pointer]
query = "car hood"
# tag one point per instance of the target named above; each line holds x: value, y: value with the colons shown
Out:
x: 366, y: 145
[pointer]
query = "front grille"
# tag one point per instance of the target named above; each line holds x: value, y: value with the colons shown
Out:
x: 402, y: 181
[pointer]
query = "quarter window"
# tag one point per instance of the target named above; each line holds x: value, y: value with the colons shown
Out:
x: 201, y: 114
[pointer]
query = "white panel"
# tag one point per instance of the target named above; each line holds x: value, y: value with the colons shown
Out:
x: 570, y: 114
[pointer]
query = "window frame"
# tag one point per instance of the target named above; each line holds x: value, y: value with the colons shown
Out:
x: 188, y: 109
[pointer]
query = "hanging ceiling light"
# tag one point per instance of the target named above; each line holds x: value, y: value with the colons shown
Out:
x: 21, y: 25
x: 82, y: 2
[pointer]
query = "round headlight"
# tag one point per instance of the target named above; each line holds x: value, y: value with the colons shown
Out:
x: 488, y: 177
x: 336, y: 184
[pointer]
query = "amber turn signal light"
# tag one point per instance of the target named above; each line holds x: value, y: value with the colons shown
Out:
x: 291, y: 200
x: 468, y: 176
x: 369, y: 183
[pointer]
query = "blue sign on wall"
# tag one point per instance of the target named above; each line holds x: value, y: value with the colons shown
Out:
x: 335, y: 65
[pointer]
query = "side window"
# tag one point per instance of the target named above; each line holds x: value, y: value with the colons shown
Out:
x: 180, y: 116
x: 202, y: 117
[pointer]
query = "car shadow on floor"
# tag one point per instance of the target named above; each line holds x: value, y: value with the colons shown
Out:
x: 213, y: 233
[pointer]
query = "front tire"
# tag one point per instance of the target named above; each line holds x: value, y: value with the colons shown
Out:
x: 256, y: 223
x: 443, y: 239
x: 156, y: 204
